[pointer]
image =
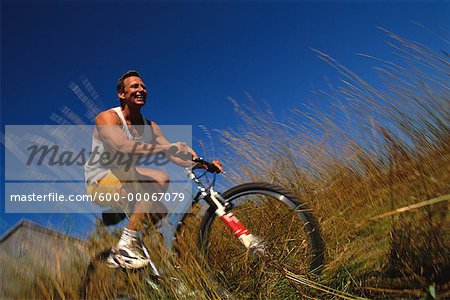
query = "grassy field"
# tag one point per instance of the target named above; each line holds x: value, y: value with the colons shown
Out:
x: 375, y: 151
x: 378, y: 150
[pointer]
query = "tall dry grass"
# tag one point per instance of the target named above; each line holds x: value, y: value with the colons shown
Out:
x: 378, y: 149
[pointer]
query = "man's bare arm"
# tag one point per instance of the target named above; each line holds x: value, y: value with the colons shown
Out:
x: 109, y: 131
x: 182, y: 147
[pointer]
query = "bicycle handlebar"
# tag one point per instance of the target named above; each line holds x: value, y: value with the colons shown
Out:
x: 210, y: 167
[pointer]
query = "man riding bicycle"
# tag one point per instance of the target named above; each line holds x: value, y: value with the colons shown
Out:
x: 124, y: 130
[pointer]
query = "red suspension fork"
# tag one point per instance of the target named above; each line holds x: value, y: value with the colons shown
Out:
x: 234, y: 224
x: 239, y: 230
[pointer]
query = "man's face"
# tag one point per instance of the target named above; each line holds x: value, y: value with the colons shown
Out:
x: 134, y: 92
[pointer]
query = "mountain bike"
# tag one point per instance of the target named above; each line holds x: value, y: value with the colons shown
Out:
x: 249, y: 237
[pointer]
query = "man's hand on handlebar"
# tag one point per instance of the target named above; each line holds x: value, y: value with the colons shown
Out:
x: 183, y: 152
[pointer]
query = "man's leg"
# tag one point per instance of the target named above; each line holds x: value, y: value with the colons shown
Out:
x: 148, y: 181
x: 128, y: 252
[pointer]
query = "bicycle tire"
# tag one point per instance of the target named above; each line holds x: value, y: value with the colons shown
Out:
x: 250, y: 204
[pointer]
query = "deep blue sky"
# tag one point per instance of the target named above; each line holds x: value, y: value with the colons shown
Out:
x: 193, y: 55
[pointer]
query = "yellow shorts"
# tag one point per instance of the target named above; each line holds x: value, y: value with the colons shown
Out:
x: 118, y: 190
x: 110, y: 191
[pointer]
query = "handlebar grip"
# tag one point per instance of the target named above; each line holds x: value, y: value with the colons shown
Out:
x: 212, y: 168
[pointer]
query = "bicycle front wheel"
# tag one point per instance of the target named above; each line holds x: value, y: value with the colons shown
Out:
x: 286, y: 228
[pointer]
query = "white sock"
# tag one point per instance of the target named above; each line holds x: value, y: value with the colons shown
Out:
x: 127, y: 236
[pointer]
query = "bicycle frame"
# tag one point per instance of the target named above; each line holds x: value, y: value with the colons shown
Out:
x: 222, y: 210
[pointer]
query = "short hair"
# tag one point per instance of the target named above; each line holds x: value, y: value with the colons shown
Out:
x: 120, y: 85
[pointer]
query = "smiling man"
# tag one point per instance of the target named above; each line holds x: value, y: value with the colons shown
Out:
x: 123, y: 129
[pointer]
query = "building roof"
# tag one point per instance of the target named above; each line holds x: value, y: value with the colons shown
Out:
x: 24, y: 223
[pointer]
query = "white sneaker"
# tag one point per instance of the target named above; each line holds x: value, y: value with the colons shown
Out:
x: 129, y: 256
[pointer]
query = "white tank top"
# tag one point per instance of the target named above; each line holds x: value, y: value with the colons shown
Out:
x: 94, y: 170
